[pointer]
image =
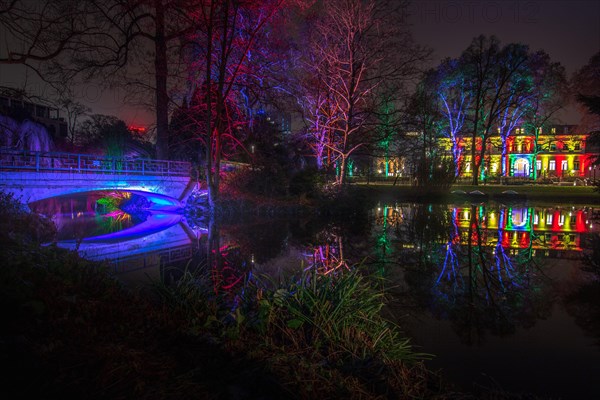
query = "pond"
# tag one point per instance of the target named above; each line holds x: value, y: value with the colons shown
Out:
x: 498, y: 293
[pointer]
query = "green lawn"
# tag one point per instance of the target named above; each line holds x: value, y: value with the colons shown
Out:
x: 541, y: 192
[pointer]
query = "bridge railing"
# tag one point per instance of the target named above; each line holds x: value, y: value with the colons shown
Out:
x: 24, y: 160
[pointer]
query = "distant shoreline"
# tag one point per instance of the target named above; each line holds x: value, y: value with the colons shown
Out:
x: 583, y: 195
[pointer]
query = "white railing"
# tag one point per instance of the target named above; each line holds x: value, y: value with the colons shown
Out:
x: 27, y: 161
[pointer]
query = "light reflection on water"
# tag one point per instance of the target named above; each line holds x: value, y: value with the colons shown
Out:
x: 495, y: 292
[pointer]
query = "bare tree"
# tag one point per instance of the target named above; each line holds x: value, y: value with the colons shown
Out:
x: 495, y: 75
x: 454, y: 97
x: 550, y: 93
x: 349, y: 54
x: 125, y: 44
x: 74, y: 111
x: 586, y: 82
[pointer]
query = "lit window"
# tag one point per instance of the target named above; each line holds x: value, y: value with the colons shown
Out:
x: 561, y: 220
x: 553, y: 130
x: 563, y: 165
x: 467, y: 166
x: 538, y: 165
x: 549, y: 219
x: 552, y: 165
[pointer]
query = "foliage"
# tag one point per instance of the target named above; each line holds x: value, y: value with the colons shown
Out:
x: 326, y: 326
x: 17, y: 225
x: 307, y: 182
x: 438, y: 171
x: 112, y: 137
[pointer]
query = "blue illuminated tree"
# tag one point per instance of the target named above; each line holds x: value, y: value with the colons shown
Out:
x: 455, y: 97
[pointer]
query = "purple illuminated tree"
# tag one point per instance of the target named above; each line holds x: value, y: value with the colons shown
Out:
x: 518, y: 95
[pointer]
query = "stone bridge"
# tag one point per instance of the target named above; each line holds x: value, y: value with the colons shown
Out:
x: 33, y: 176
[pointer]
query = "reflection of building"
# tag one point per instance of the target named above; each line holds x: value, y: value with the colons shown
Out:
x: 525, y: 227
x: 555, y: 152
x: 557, y: 231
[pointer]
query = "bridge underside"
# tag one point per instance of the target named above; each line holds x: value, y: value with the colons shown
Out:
x: 34, y: 186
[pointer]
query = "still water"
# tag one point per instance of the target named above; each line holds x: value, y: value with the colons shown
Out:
x: 498, y: 293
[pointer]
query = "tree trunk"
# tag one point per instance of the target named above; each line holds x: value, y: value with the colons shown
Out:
x: 209, y: 138
x: 161, y: 72
x: 342, y: 177
x: 474, y: 167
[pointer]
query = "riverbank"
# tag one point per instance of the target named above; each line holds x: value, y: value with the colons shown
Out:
x: 537, y: 193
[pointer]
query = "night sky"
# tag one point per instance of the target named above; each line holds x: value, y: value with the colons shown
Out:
x: 568, y: 30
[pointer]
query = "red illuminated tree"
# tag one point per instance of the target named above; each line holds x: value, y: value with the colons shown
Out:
x: 229, y: 57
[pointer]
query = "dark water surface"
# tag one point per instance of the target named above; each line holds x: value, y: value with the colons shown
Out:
x: 498, y: 293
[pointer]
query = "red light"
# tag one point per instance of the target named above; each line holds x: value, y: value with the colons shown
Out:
x: 137, y: 129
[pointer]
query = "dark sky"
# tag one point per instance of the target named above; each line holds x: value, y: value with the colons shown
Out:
x: 568, y: 30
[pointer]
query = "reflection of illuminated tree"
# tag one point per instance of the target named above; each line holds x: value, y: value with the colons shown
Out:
x: 114, y: 221
x: 476, y: 283
x: 450, y: 265
x: 329, y: 257
x: 228, y: 267
x: 584, y: 303
x: 481, y: 270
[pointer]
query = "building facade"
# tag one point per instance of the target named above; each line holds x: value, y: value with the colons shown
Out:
x: 557, y: 152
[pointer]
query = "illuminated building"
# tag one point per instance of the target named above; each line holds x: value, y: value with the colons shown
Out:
x: 555, y: 152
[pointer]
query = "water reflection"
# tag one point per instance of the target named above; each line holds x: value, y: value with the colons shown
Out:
x: 498, y: 290
x: 500, y: 286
